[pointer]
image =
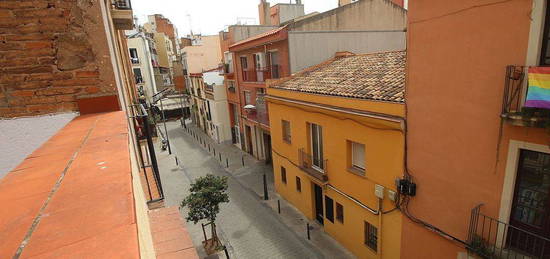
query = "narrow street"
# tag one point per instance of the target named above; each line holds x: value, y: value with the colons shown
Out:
x: 247, y: 226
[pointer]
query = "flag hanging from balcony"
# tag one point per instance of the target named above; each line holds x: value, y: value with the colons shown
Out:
x: 538, y: 93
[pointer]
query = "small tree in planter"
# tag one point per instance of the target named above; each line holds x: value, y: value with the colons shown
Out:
x: 204, y: 203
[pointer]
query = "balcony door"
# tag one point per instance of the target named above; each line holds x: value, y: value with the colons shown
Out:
x: 244, y: 68
x: 259, y: 65
x: 274, y: 64
x: 316, y: 140
x: 531, y: 204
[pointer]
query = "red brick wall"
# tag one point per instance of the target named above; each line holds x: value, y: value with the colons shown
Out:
x: 52, y: 52
x: 281, y: 47
x: 165, y: 26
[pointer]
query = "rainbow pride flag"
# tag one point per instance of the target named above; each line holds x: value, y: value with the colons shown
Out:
x: 538, y: 93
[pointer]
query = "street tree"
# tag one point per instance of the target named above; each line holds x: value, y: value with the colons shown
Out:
x: 207, y: 193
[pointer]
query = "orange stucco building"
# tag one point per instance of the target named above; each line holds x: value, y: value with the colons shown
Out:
x: 470, y: 141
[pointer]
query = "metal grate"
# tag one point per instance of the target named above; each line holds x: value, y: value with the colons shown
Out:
x: 514, y: 89
x: 491, y: 238
x: 123, y: 4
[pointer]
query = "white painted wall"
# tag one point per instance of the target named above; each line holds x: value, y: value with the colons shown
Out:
x: 147, y: 72
x: 219, y: 107
x: 21, y: 136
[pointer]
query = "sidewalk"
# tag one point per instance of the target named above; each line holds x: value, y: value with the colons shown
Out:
x: 251, y: 176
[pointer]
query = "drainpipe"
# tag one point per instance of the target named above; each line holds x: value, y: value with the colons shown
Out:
x: 379, y: 243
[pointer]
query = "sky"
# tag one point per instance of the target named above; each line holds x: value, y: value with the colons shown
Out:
x: 211, y: 16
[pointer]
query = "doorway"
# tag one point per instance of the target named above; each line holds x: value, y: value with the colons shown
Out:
x: 531, y: 203
x: 267, y: 146
x: 248, y: 139
x: 318, y: 203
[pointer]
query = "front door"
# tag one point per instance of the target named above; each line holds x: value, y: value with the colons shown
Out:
x: 249, y: 139
x: 318, y: 203
x: 530, y: 209
x: 267, y: 141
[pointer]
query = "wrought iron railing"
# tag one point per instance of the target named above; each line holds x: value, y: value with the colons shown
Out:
x: 308, y: 164
x: 492, y: 238
x: 145, y: 131
x: 261, y: 74
x: 514, y: 89
x: 135, y: 60
x: 515, y: 92
x: 123, y: 4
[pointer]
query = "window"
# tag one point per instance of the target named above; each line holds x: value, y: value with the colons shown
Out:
x: 286, y: 131
x: 357, y: 156
x: 137, y: 76
x: 246, y: 97
x: 316, y: 138
x: 329, y: 209
x: 545, y: 51
x: 371, y: 236
x: 283, y: 175
x: 231, y: 86
x: 260, y: 91
x: 340, y: 213
x: 259, y: 60
x: 274, y: 64
x: 244, y: 67
x: 298, y: 184
x: 134, y: 56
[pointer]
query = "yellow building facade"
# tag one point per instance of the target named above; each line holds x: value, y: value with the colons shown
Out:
x: 338, y: 147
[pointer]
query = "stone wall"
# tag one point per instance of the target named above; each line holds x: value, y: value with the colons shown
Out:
x: 52, y: 52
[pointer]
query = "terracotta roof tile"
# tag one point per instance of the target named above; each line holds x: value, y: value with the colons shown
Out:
x: 375, y: 76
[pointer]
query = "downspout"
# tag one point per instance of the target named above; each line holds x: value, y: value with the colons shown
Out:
x: 379, y: 239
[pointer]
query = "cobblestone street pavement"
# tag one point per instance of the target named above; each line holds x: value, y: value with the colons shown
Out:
x: 247, y: 226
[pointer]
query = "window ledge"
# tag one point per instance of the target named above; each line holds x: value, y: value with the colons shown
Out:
x: 287, y: 141
x: 357, y: 171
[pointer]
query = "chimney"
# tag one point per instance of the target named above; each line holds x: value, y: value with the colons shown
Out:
x: 263, y: 10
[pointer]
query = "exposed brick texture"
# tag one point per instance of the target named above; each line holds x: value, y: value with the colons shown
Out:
x: 52, y: 53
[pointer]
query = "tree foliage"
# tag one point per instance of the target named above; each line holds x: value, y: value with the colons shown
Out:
x: 207, y: 193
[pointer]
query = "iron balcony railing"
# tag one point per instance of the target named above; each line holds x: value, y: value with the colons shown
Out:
x: 123, y: 4
x: 491, y: 238
x: 515, y: 92
x: 317, y: 169
x: 261, y: 74
x: 209, y: 88
x: 139, y: 80
x: 135, y: 60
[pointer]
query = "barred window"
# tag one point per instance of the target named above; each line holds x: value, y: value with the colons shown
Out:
x: 371, y: 236
x: 283, y: 174
x: 286, y: 131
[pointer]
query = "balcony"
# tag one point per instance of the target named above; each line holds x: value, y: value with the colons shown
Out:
x: 515, y: 92
x: 306, y: 163
x: 209, y: 88
x: 227, y: 68
x: 491, y: 238
x: 261, y: 74
x: 134, y: 60
x: 123, y: 18
x: 139, y: 80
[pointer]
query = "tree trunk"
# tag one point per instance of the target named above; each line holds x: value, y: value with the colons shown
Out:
x: 214, y: 233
